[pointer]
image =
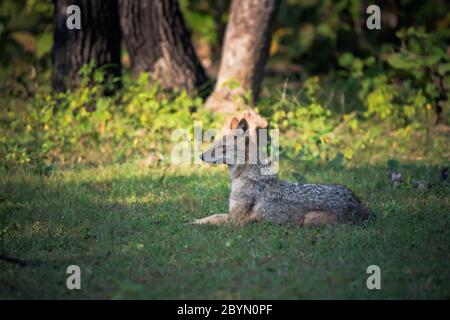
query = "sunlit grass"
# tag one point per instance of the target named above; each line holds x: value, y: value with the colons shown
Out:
x: 126, y: 227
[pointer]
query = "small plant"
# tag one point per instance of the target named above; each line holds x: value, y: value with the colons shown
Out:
x: 423, y: 67
x: 85, y: 125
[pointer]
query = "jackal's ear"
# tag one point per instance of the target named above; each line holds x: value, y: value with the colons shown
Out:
x: 243, y: 125
x: 234, y: 123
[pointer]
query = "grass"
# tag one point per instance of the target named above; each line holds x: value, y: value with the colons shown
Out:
x: 125, y: 226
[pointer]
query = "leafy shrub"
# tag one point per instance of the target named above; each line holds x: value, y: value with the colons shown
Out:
x: 422, y: 70
x: 84, y: 125
x: 370, y: 107
x: 413, y: 81
x: 304, y: 120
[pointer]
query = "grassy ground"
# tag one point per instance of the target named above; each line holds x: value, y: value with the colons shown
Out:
x: 125, y: 226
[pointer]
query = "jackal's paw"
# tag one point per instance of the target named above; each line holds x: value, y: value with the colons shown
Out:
x: 195, y: 221
x: 214, y: 219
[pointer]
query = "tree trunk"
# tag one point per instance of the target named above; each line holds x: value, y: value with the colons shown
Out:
x: 244, y: 53
x: 98, y: 41
x: 158, y: 42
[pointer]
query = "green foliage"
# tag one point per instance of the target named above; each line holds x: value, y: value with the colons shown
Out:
x: 381, y: 96
x: 304, y: 120
x: 205, y: 18
x: 424, y: 66
x: 25, y: 30
x: 315, y: 33
x: 84, y: 125
x: 312, y: 33
x: 87, y: 126
x: 349, y: 113
x: 408, y: 87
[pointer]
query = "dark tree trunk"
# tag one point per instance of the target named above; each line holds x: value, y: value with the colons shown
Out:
x: 158, y: 42
x: 98, y: 41
x: 244, y: 54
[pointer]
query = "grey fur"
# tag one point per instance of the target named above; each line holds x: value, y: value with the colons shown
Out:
x: 256, y: 196
x: 282, y: 202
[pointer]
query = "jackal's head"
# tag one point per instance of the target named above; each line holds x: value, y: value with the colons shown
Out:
x: 237, y: 143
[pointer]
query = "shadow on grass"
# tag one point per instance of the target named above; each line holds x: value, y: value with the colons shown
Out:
x: 127, y: 229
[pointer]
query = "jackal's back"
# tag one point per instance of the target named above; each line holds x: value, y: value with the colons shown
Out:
x: 281, y: 201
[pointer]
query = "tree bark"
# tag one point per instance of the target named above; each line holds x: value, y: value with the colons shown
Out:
x: 244, y: 54
x: 158, y: 42
x: 98, y: 41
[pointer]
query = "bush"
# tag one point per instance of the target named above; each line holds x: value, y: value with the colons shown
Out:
x: 84, y: 125
x: 371, y: 108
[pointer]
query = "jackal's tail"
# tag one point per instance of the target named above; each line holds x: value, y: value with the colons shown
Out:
x: 364, y: 215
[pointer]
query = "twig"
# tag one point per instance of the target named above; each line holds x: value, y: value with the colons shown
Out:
x: 19, y: 262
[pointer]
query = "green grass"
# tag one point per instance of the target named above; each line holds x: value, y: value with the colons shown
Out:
x: 125, y: 226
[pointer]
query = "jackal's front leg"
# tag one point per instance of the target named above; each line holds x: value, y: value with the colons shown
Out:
x: 214, y: 219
